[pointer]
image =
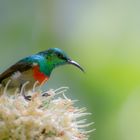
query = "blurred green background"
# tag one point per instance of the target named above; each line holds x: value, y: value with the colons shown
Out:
x: 103, y: 36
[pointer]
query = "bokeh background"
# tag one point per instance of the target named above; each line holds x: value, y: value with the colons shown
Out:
x: 102, y: 35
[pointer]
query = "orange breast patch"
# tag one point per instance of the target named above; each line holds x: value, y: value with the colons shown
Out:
x: 39, y: 76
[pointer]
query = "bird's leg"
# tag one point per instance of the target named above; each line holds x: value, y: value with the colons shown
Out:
x: 46, y: 94
x: 22, y: 91
x: 27, y: 97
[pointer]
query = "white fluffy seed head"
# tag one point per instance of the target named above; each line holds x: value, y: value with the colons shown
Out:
x: 50, y: 117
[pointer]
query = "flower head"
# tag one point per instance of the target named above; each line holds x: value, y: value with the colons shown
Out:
x: 49, y: 117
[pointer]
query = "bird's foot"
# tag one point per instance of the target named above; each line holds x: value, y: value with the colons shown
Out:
x: 28, y: 98
x: 46, y: 94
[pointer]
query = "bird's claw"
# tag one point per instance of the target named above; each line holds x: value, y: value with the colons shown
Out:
x: 45, y: 94
x: 28, y: 98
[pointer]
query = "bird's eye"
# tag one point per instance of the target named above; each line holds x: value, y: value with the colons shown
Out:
x: 59, y: 55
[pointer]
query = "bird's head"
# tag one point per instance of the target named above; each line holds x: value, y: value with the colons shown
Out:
x: 56, y: 57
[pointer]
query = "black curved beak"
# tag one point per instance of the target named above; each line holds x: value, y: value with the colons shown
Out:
x: 75, y: 64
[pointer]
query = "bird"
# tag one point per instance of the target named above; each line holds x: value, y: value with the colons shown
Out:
x: 35, y: 68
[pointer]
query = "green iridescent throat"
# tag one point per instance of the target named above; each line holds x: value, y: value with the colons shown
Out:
x: 51, y: 64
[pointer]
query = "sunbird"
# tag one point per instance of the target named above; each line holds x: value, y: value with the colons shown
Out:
x: 35, y: 68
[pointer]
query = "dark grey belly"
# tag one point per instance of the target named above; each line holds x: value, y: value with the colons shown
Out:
x: 16, y: 82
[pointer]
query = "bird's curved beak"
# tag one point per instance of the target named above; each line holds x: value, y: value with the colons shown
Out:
x: 75, y: 64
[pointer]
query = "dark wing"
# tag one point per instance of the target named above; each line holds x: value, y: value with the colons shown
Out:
x: 19, y: 66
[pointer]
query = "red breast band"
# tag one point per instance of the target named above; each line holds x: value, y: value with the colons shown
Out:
x: 39, y: 76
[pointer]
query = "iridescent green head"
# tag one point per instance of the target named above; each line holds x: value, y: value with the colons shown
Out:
x: 56, y: 57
